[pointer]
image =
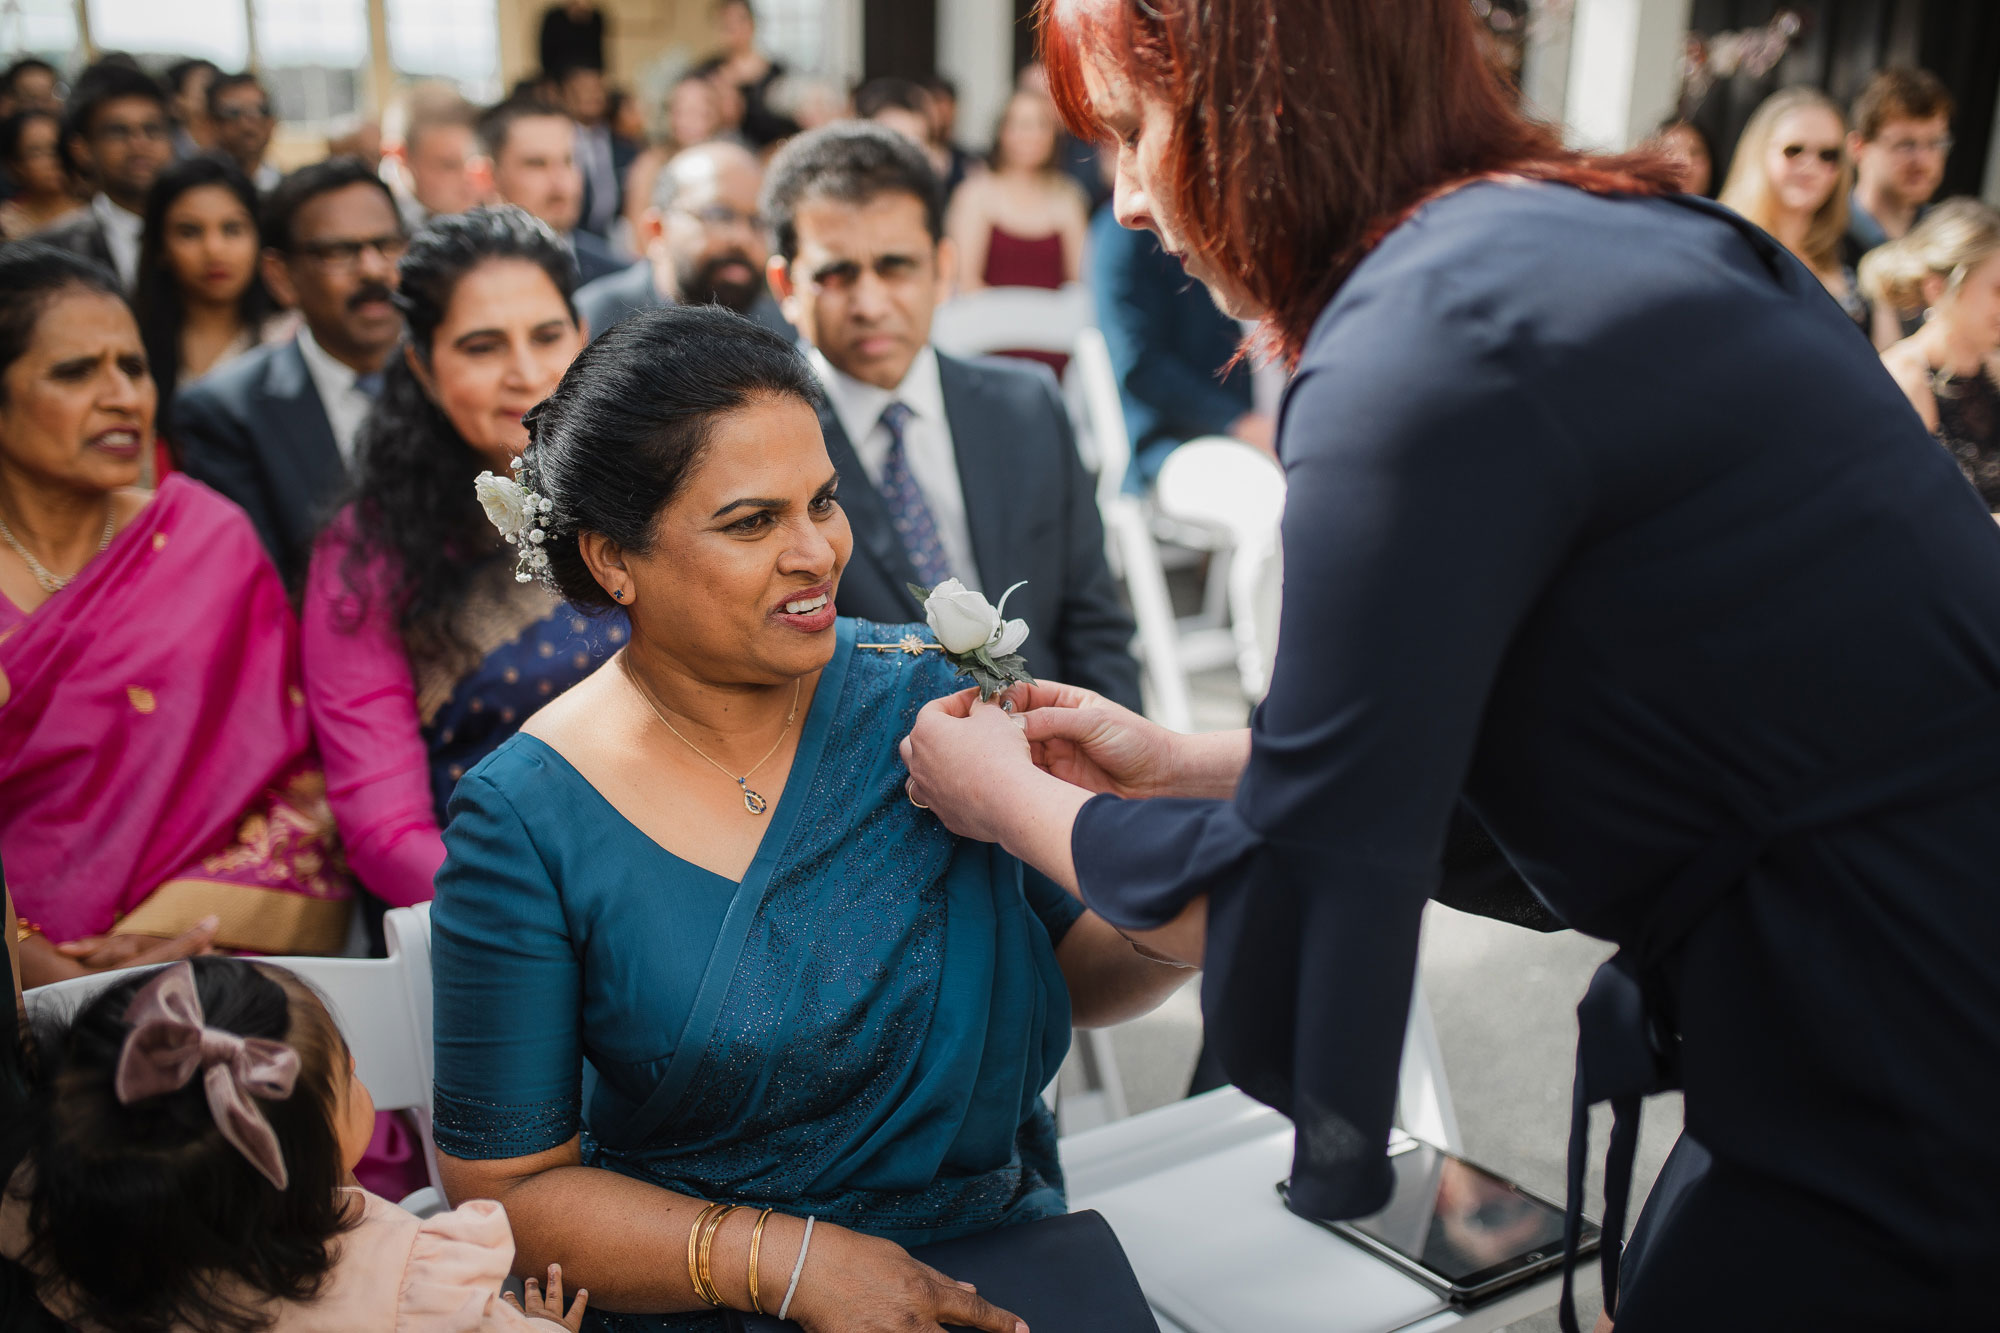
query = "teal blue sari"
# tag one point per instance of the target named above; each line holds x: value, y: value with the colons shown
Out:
x: 860, y: 1030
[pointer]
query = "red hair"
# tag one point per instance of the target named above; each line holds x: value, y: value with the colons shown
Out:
x: 1306, y: 130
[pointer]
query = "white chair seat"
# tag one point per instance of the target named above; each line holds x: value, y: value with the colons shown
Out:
x: 1012, y: 319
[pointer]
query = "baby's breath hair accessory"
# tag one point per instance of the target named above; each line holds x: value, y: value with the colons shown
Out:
x: 519, y: 513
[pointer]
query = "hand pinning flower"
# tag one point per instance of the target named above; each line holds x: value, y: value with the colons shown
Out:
x: 976, y: 637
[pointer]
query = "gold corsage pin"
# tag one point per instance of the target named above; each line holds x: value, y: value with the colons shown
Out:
x: 975, y: 637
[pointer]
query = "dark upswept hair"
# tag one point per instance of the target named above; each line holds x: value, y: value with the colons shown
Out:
x: 157, y: 299
x: 413, y: 492
x: 144, y: 1215
x: 32, y: 274
x: 851, y: 162
x: 630, y: 422
x: 1306, y: 130
x: 280, y: 214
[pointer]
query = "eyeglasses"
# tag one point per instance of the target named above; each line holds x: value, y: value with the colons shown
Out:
x: 147, y: 131
x: 718, y: 216
x: 1941, y: 146
x: 345, y: 256
x: 1830, y: 156
x: 229, y: 115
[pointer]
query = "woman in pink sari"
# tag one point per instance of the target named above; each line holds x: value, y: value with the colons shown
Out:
x: 159, y: 790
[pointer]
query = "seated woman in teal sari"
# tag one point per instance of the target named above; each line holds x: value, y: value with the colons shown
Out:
x: 694, y: 943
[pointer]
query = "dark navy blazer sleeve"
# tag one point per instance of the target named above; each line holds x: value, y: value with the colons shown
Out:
x: 1419, y: 528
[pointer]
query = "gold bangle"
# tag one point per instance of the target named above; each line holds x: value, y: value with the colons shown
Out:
x: 756, y: 1243
x: 714, y: 1229
x: 23, y: 929
x: 694, y: 1274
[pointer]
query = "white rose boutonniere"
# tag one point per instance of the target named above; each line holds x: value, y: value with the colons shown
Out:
x: 977, y: 638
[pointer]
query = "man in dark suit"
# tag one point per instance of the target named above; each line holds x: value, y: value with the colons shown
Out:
x: 703, y: 243
x: 949, y: 468
x: 116, y: 131
x: 532, y: 146
x: 274, y: 430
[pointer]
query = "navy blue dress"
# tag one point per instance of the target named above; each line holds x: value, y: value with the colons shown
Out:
x: 1603, y: 522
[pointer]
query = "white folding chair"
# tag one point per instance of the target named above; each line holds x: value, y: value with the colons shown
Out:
x: 383, y: 1006
x: 1012, y: 319
x: 1237, y: 495
x: 1134, y: 556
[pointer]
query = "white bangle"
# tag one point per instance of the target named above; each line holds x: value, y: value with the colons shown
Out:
x: 797, y: 1269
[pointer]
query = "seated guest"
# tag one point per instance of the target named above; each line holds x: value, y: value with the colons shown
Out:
x: 694, y: 116
x: 1949, y: 265
x: 117, y: 133
x: 953, y: 468
x: 600, y: 157
x: 746, y: 75
x: 187, y: 84
x: 274, y: 430
x: 189, y: 1168
x: 1900, y: 139
x: 1169, y: 345
x: 1021, y: 224
x: 201, y: 301
x: 29, y: 84
x: 702, y: 240
x: 532, y: 146
x: 422, y: 652
x: 1686, y: 143
x: 31, y: 157
x: 904, y: 106
x: 240, y: 110
x: 797, y: 989
x: 1790, y: 176
x: 436, y: 157
x: 159, y: 791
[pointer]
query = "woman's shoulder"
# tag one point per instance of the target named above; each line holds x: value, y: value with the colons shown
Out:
x: 206, y: 515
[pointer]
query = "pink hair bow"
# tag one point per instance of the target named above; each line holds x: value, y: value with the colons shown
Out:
x: 169, y: 1041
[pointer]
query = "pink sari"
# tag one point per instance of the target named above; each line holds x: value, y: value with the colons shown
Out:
x: 156, y: 764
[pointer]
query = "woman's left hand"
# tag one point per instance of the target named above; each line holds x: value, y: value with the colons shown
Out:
x: 967, y: 761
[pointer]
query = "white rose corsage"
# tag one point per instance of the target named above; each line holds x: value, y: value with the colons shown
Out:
x: 518, y: 513
x: 975, y: 637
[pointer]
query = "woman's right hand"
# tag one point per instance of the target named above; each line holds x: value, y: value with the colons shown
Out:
x: 860, y: 1284
x: 1088, y: 741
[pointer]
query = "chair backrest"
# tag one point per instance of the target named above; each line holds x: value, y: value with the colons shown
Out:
x: 1012, y: 319
x: 382, y: 1005
x: 1102, y: 413
x: 1239, y: 492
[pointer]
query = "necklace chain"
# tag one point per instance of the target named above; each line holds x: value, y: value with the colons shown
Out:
x: 50, y: 581
x: 752, y: 801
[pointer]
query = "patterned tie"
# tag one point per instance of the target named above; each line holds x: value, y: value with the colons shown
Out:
x: 370, y: 384
x: 914, y: 522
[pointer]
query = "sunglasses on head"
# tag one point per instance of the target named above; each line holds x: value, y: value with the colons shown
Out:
x: 1830, y: 156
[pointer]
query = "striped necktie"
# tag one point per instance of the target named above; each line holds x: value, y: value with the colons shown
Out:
x: 915, y: 523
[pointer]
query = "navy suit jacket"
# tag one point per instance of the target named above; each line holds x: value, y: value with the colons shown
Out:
x: 1033, y: 513
x: 594, y: 259
x: 255, y: 431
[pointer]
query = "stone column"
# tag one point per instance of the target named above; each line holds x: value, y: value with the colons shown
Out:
x: 1624, y: 69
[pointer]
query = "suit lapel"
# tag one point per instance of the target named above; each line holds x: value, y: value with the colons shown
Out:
x: 868, y: 515
x: 307, y: 446
x: 978, y: 425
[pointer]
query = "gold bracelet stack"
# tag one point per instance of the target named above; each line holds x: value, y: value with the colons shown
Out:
x: 756, y: 1244
x: 701, y: 1242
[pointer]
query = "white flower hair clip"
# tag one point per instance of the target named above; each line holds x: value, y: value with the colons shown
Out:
x: 514, y: 508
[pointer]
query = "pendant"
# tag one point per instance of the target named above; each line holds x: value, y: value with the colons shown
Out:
x: 752, y: 802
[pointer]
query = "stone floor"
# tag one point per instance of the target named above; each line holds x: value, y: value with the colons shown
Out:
x: 1504, y: 1000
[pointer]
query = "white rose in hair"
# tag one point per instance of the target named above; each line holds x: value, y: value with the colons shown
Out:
x: 962, y: 620
x: 506, y: 503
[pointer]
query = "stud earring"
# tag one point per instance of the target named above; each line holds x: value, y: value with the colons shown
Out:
x: 618, y: 593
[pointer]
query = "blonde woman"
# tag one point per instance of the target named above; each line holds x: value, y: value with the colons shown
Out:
x: 1791, y: 176
x: 1949, y: 266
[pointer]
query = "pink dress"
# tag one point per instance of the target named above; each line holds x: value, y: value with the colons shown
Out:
x: 393, y: 1272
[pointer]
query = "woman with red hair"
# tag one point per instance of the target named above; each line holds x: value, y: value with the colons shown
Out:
x: 1718, y: 671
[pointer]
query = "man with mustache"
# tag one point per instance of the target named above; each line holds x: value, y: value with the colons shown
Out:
x: 274, y: 430
x: 702, y: 242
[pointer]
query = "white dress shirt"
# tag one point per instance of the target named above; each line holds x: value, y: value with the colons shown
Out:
x: 121, y: 233
x: 927, y: 444
x: 345, y: 402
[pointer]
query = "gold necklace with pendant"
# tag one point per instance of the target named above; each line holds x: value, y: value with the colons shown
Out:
x: 752, y: 801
